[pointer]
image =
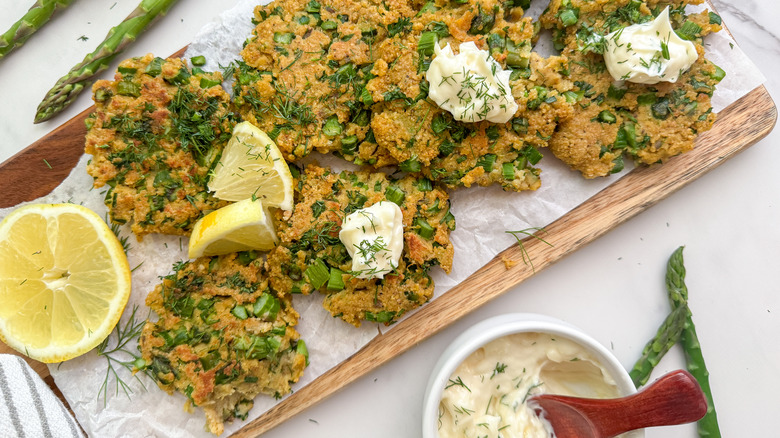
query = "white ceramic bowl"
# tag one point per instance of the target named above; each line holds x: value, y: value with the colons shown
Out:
x: 496, y: 327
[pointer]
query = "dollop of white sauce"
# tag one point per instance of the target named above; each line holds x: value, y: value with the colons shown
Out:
x: 487, y: 395
x: 374, y: 238
x: 648, y: 53
x: 471, y: 85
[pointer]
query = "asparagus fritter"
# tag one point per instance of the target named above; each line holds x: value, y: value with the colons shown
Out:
x: 157, y: 130
x: 349, y: 77
x: 649, y: 123
x: 311, y: 257
x: 223, y: 336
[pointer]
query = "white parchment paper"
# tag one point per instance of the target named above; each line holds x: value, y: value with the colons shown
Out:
x: 149, y: 412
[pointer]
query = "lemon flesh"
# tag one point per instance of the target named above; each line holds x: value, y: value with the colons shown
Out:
x: 64, y: 281
x: 241, y: 226
x: 251, y: 166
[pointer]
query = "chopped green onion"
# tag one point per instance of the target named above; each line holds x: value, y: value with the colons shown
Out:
x: 395, y: 194
x: 365, y: 97
x: 198, y: 60
x: 508, y: 171
x: 155, y: 67
x: 661, y: 109
x: 496, y: 43
x: 313, y: 7
x: 646, y: 99
x: 411, y: 165
x: 127, y: 70
x: 571, y: 96
x: 127, y: 88
x: 607, y: 117
x: 449, y: 220
x: 486, y: 162
x: 715, y: 19
x: 439, y: 123
x: 301, y: 349
x: 446, y: 148
x: 569, y: 16
x: 616, y: 93
x: 532, y: 154
x: 689, y: 30
x: 239, y: 312
x: 719, y: 74
x: 520, y: 125
x: 181, y: 78
x: 329, y: 25
x: 427, y: 43
x: 332, y: 126
x: 267, y: 307
x: 424, y: 185
x: 208, y: 83
x: 283, y: 37
x: 349, y: 145
x: 424, y: 229
x: 516, y: 60
x: 317, y: 274
x: 103, y: 94
x: 336, y: 281
x: 303, y: 19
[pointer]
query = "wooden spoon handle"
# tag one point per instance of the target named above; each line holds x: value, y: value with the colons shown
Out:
x: 675, y: 398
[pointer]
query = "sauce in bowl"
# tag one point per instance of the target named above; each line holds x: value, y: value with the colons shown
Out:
x: 487, y: 394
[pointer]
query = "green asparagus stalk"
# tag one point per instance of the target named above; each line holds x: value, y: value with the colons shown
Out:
x: 678, y: 297
x: 69, y: 86
x: 38, y: 15
x: 668, y: 334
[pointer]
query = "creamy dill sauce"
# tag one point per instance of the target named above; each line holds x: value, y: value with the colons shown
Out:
x: 487, y: 394
x: 374, y: 238
x: 471, y: 85
x: 648, y: 53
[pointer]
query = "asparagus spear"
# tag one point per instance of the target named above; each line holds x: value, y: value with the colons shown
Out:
x: 678, y: 297
x: 668, y: 334
x: 69, y: 86
x: 40, y: 13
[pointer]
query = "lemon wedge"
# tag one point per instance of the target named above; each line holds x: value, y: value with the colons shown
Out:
x: 251, y: 166
x: 64, y: 281
x: 240, y: 226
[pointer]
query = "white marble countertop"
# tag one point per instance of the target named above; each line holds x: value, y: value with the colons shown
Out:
x: 728, y: 220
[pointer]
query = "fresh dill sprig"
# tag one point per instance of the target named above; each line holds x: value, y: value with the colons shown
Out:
x: 521, y: 235
x: 457, y: 382
x: 115, y: 229
x: 117, y: 344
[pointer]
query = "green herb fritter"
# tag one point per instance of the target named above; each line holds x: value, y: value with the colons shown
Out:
x: 223, y: 336
x: 649, y: 123
x: 157, y: 129
x: 311, y: 257
x: 349, y: 77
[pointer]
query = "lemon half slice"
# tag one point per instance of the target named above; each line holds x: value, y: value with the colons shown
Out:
x: 64, y: 281
x: 241, y: 226
x: 252, y: 167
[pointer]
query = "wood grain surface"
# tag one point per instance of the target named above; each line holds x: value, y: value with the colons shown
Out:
x: 39, y: 168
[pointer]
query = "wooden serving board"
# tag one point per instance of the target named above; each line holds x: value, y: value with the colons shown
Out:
x: 39, y: 168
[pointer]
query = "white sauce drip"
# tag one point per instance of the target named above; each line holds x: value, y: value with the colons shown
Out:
x: 648, y: 53
x: 487, y: 394
x: 471, y: 85
x: 374, y: 238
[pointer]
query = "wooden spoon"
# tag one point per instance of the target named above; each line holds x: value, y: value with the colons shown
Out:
x: 675, y: 398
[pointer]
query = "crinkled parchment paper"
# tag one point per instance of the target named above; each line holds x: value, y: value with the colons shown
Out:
x: 482, y: 215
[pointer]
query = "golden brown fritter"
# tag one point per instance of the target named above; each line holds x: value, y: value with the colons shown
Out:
x: 349, y: 77
x: 223, y: 336
x: 649, y: 123
x: 157, y: 129
x: 311, y: 257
